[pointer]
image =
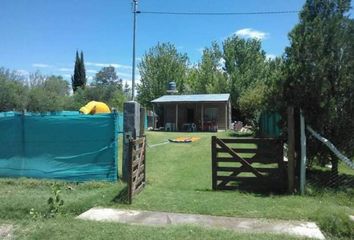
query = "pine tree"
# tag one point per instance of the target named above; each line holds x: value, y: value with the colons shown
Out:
x: 82, y: 70
x: 79, y: 77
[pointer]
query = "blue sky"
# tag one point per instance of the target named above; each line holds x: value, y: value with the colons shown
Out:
x: 44, y: 35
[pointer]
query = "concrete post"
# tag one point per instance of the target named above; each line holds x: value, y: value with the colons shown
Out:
x: 142, y: 121
x: 131, y: 130
x: 291, y: 150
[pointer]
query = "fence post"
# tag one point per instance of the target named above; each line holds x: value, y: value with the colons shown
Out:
x: 213, y: 162
x: 291, y: 149
x: 131, y: 130
x: 130, y: 171
x: 303, y: 154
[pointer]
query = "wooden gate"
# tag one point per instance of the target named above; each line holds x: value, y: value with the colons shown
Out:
x: 137, y: 166
x: 247, y: 163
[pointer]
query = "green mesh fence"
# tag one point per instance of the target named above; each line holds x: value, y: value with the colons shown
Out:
x: 269, y: 125
x: 64, y: 145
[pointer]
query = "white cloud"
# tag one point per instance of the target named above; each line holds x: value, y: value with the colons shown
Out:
x: 40, y: 65
x: 66, y: 76
x: 91, y: 71
x: 66, y: 69
x: 115, y: 65
x: 22, y: 72
x: 270, y: 56
x: 221, y: 64
x: 251, y: 33
x: 200, y: 50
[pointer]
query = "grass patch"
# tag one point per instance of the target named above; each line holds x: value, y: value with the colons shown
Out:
x: 61, y: 228
x: 178, y: 180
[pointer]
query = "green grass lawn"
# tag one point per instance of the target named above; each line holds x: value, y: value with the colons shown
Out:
x: 178, y: 180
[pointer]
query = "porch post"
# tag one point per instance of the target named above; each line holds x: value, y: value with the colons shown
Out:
x: 226, y: 116
x: 202, y: 116
x: 176, y: 116
x: 153, y: 117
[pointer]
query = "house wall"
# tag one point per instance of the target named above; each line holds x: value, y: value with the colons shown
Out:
x: 223, y: 112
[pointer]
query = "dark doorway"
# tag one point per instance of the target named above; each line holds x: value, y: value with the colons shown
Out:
x: 190, y: 115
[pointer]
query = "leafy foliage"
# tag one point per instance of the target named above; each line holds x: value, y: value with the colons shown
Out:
x: 160, y: 65
x: 47, y: 93
x: 78, y: 80
x: 107, y: 76
x: 319, y: 72
x: 13, y: 92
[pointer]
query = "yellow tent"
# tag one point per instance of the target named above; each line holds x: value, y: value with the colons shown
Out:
x: 94, y: 107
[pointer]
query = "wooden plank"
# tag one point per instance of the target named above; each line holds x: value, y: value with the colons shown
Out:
x: 139, y: 188
x: 213, y: 162
x: 138, y: 141
x: 250, y: 140
x: 234, y: 169
x: 261, y: 151
x: 137, y: 152
x: 139, y: 179
x: 235, y: 155
x: 140, y: 169
x: 250, y: 160
x: 144, y: 159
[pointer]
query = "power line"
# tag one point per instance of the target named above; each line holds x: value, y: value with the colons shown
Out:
x: 219, y: 13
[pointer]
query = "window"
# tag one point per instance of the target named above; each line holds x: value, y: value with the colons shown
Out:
x: 211, y: 114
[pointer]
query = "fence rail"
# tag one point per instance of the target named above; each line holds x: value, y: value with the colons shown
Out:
x: 257, y: 160
x: 137, y: 168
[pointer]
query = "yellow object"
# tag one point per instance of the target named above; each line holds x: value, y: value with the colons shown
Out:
x: 94, y: 107
x: 184, y: 139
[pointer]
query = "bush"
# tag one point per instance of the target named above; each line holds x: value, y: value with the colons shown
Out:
x: 336, y: 224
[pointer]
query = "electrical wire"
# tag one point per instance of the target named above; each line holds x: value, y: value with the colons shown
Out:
x: 218, y: 13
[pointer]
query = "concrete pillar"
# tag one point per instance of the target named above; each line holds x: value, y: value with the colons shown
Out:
x: 226, y: 120
x: 202, y: 116
x: 176, y: 116
x: 142, y: 121
x: 131, y: 126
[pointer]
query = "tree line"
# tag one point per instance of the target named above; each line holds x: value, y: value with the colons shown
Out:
x: 315, y: 73
x: 41, y: 93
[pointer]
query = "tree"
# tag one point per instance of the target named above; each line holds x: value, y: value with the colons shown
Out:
x: 319, y: 73
x: 78, y: 80
x: 57, y: 85
x: 47, y: 94
x: 13, y: 92
x: 208, y: 77
x: 107, y: 76
x: 127, y: 91
x: 159, y: 66
x: 245, y: 66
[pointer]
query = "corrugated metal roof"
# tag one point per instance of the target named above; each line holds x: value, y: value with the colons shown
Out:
x: 193, y: 98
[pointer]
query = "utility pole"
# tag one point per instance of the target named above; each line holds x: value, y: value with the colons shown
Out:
x: 135, y: 7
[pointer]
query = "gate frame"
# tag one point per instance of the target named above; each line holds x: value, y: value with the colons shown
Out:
x: 137, y: 167
x: 246, y: 165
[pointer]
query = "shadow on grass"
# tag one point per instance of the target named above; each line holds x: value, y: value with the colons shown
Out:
x: 252, y: 185
x: 122, y: 196
x: 319, y: 179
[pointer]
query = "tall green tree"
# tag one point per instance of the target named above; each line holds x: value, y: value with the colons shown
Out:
x: 78, y: 80
x: 319, y: 73
x: 159, y: 66
x: 245, y: 66
x: 47, y: 94
x: 13, y: 91
x: 208, y: 76
x: 108, y: 76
